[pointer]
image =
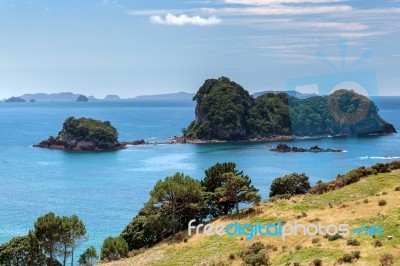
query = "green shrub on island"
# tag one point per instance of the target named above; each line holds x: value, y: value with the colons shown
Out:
x: 222, y: 111
x: 114, y: 248
x: 84, y: 134
x: 89, y: 130
x: 226, y: 111
x: 292, y: 184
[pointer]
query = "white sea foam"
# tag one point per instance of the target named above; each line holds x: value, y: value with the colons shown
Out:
x: 379, y: 157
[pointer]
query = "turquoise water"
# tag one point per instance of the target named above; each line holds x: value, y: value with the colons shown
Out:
x: 107, y: 189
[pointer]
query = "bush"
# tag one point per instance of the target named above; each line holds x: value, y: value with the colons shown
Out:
x: 343, y: 180
x: 387, y: 259
x: 334, y: 237
x: 315, y: 240
x: 356, y: 254
x: 256, y: 254
x: 353, y: 242
x: 114, y: 248
x: 378, y: 243
x: 347, y: 257
x: 381, y: 168
x: 382, y: 203
x: 317, y: 262
x: 292, y: 184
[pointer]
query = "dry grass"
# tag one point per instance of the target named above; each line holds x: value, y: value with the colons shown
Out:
x: 345, y: 205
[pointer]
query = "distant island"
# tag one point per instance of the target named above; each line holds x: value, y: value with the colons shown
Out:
x: 225, y: 111
x: 62, y: 96
x: 169, y: 96
x: 112, y: 98
x: 296, y: 94
x: 82, y: 98
x: 84, y: 134
x: 15, y: 100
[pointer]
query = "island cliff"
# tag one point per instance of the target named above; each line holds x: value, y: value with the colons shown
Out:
x: 84, y: 134
x: 225, y: 111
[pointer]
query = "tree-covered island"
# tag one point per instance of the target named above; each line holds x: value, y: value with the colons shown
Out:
x: 85, y: 134
x: 225, y: 111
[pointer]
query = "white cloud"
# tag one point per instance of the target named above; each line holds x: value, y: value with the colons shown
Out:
x: 180, y: 20
x: 283, y: 10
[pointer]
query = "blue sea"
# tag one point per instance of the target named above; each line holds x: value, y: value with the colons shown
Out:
x: 106, y: 190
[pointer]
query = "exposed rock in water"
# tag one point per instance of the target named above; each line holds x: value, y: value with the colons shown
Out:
x: 73, y: 145
x: 286, y: 148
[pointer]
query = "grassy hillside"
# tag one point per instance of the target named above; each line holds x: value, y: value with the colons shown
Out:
x: 356, y: 204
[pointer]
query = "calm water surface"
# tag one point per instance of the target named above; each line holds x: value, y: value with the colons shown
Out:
x: 107, y: 189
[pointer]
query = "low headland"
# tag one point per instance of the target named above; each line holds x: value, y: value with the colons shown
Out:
x: 226, y: 112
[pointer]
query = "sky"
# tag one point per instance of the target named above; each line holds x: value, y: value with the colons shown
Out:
x: 130, y: 48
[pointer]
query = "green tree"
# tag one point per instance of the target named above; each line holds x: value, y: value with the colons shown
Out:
x: 291, y: 184
x: 179, y: 198
x: 213, y: 180
x: 237, y: 189
x: 73, y: 234
x: 145, y: 230
x: 114, y: 248
x: 48, y: 231
x: 21, y: 251
x: 89, y: 257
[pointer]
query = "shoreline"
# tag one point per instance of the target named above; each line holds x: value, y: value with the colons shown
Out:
x: 182, y: 140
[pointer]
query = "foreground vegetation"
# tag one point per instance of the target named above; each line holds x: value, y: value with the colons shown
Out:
x: 362, y: 197
x: 226, y: 111
x: 51, y: 242
x: 158, y: 235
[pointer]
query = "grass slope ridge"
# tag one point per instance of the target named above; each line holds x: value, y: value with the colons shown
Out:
x: 356, y: 204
